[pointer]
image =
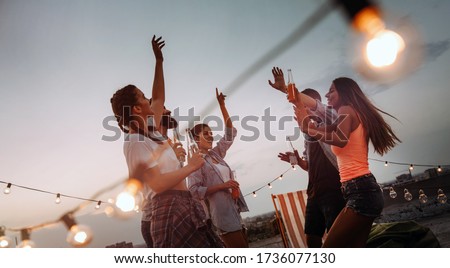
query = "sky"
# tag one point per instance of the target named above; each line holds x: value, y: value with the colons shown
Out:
x: 61, y: 61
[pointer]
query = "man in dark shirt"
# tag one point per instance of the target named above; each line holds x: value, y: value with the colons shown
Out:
x: 325, y: 200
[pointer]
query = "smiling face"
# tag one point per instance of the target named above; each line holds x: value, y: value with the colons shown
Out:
x: 333, y: 97
x: 205, y: 139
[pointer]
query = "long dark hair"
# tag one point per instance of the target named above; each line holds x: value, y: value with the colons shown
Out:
x: 122, y: 103
x: 380, y: 133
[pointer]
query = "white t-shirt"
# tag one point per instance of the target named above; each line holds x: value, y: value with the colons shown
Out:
x: 224, y: 171
x: 139, y: 150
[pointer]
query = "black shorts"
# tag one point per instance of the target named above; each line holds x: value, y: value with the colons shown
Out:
x: 321, y: 213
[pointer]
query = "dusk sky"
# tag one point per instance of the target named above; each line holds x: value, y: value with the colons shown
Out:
x: 61, y: 61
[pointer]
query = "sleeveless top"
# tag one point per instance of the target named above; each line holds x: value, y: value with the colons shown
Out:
x: 352, y: 158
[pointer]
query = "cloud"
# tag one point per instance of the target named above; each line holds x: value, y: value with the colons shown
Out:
x: 435, y: 49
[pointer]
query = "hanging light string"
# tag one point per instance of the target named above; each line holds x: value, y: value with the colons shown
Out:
x: 269, y: 184
x: 48, y: 192
x: 87, y: 201
x: 407, y: 164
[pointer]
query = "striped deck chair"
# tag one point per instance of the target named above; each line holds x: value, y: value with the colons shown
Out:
x: 292, y: 207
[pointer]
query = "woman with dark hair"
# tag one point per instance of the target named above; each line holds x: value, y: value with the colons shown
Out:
x: 176, y: 219
x: 358, y: 122
x: 214, y: 183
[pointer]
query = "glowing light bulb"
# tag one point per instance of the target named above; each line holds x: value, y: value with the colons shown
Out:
x: 411, y: 167
x: 98, y: 204
x: 408, y: 196
x: 386, y: 163
x: 439, y: 169
x: 280, y: 177
x: 442, y: 198
x: 382, y: 50
x: 7, y: 188
x: 270, y: 186
x: 392, y: 193
x: 423, y: 198
x: 58, y: 198
x: 5, y: 242
x: 294, y: 168
x: 254, y: 194
x: 79, y: 235
x: 128, y: 202
x: 26, y: 244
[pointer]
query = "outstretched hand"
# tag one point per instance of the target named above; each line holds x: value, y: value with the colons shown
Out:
x: 157, y: 45
x: 220, y: 97
x: 279, y: 82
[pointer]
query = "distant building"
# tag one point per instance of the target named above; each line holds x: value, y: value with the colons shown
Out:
x: 403, y: 178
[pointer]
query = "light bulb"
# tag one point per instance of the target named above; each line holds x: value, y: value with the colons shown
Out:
x: 254, y: 194
x: 392, y: 193
x: 270, y: 186
x: 408, y: 196
x: 388, y: 46
x: 7, y: 188
x: 383, y: 49
x: 280, y: 177
x: 27, y: 244
x: 98, y: 204
x: 6, y: 242
x: 439, y: 169
x: 386, y: 163
x: 423, y: 198
x: 442, y: 198
x: 128, y: 202
x: 79, y: 235
x: 411, y: 167
x: 294, y: 168
x: 58, y: 198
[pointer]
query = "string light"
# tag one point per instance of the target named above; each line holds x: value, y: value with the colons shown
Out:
x: 129, y: 200
x: 294, y: 168
x: 442, y: 198
x: 7, y: 189
x: 98, y: 204
x: 254, y: 194
x: 408, y: 196
x: 280, y: 177
x: 79, y: 235
x: 392, y: 193
x: 5, y: 242
x: 423, y: 198
x: 58, y: 198
x: 270, y: 185
x: 26, y: 242
x: 411, y: 167
x: 386, y: 163
x: 439, y: 169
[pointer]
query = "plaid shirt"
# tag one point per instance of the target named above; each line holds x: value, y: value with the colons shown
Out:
x: 178, y: 221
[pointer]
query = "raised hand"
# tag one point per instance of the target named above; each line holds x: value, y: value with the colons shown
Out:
x: 196, y: 160
x: 279, y: 82
x: 220, y: 97
x: 157, y: 45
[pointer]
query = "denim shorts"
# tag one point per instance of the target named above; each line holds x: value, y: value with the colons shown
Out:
x: 363, y: 195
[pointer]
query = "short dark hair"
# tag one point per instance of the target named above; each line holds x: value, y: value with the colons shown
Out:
x: 312, y: 93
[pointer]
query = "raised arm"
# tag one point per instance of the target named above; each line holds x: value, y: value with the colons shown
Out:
x: 337, y: 135
x: 226, y: 117
x: 158, y: 91
x: 280, y: 85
